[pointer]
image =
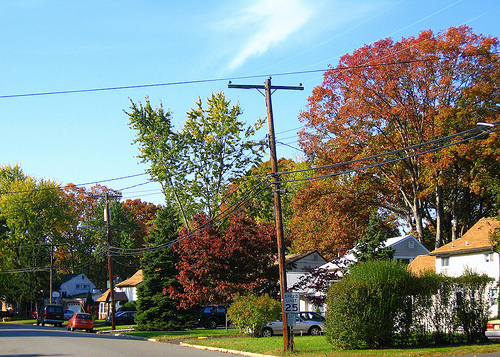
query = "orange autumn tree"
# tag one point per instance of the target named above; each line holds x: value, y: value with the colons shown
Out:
x: 392, y: 95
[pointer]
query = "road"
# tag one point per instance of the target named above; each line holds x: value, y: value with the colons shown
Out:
x: 33, y: 341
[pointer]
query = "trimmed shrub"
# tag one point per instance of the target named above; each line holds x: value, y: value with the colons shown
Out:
x: 250, y: 313
x: 370, y: 305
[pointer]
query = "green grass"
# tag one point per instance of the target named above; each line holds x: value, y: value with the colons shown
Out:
x: 316, y: 346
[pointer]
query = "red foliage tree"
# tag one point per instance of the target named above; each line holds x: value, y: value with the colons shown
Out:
x: 217, y: 265
x: 392, y: 95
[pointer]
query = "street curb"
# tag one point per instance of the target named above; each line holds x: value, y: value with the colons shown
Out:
x: 224, y: 350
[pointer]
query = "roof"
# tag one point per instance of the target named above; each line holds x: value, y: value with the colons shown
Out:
x: 134, y: 280
x: 476, y: 239
x: 117, y: 296
x: 422, y: 263
x: 291, y: 258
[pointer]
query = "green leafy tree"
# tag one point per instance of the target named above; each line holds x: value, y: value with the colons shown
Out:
x: 157, y: 311
x: 195, y: 164
x: 33, y: 214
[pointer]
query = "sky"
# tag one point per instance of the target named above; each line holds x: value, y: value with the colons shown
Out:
x: 69, y: 69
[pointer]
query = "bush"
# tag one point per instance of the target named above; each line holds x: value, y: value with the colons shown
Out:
x: 370, y: 305
x: 250, y: 313
x: 381, y: 304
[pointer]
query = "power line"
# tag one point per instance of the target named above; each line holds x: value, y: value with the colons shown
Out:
x: 105, y: 89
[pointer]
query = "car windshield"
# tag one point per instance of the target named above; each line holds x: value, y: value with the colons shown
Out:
x: 83, y: 316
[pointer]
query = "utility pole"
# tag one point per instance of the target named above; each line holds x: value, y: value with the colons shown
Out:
x: 278, y: 217
x: 107, y: 219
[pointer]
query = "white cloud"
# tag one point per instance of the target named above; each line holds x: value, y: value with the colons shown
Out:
x: 269, y: 23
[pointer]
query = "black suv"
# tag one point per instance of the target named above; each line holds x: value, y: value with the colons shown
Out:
x: 50, y: 314
x: 213, y: 316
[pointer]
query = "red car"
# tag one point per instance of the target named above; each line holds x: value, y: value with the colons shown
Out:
x: 82, y: 321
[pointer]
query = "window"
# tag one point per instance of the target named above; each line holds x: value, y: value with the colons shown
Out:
x: 445, y: 261
x: 493, y: 296
x: 411, y: 244
x: 488, y: 257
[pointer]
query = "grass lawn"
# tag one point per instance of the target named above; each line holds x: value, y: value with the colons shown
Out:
x: 315, y: 346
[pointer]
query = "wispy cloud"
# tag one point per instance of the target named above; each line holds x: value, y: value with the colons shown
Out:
x: 269, y: 22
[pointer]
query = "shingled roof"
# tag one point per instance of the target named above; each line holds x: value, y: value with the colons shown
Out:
x: 134, y: 280
x: 476, y: 239
x: 422, y: 263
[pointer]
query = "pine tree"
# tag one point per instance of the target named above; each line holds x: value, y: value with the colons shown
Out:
x: 156, y: 310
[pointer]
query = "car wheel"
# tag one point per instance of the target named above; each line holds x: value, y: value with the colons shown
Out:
x: 315, y: 331
x: 212, y: 323
x: 267, y: 332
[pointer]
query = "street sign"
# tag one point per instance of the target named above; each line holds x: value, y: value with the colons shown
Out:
x: 291, y: 320
x: 291, y: 303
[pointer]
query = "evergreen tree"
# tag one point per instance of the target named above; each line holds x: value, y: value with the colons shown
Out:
x: 156, y: 310
x: 371, y: 246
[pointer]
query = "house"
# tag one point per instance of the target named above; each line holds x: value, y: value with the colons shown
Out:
x: 299, y: 265
x: 75, y: 285
x: 129, y: 286
x: 105, y: 302
x: 406, y: 248
x: 472, y: 251
x: 124, y: 292
x: 74, y: 290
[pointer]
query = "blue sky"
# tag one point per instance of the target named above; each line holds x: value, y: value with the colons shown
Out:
x: 83, y: 137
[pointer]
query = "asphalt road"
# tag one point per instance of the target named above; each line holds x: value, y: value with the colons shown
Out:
x: 33, y: 341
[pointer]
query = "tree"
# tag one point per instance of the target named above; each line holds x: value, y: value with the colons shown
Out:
x: 195, y: 164
x: 157, y: 311
x: 255, y: 190
x: 392, y: 95
x: 371, y: 246
x: 216, y: 265
x: 34, y: 215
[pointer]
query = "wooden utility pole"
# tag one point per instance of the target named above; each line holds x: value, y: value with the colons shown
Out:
x: 278, y: 217
x: 107, y: 219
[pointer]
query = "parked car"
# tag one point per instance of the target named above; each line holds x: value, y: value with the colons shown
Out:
x: 302, y: 326
x: 310, y: 315
x: 122, y: 318
x: 50, y: 314
x: 68, y: 314
x: 493, y: 329
x: 213, y: 316
x: 81, y: 320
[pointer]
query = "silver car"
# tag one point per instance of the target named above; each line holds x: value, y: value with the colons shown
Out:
x: 493, y: 329
x: 302, y: 326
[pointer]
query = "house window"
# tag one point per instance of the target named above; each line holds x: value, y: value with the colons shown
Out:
x: 315, y: 257
x: 493, y: 296
x: 488, y: 257
x: 445, y: 261
x: 411, y: 244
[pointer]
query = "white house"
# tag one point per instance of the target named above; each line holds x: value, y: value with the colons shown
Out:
x: 75, y: 285
x: 129, y: 286
x: 299, y: 265
x: 472, y: 251
x: 124, y: 292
